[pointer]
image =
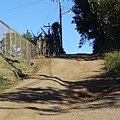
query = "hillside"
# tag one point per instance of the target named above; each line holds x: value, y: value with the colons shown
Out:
x: 12, y: 70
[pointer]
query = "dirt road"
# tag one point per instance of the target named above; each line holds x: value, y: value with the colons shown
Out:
x: 64, y: 89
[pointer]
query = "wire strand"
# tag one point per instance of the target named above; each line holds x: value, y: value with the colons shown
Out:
x: 21, y: 6
x: 47, y: 13
x: 69, y: 48
x: 53, y: 13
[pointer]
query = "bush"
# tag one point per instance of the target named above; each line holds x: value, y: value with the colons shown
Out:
x: 112, y: 61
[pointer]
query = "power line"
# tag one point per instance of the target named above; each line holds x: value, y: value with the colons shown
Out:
x: 21, y: 6
x: 50, y: 14
x: 47, y: 13
x: 53, y: 13
x: 66, y: 44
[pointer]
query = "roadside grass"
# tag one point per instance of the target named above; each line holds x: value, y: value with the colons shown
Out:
x: 4, y: 83
x: 13, y: 70
x: 112, y: 61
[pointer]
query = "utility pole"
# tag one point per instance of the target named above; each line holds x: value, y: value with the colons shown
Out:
x: 48, y: 26
x: 60, y: 15
x: 49, y: 39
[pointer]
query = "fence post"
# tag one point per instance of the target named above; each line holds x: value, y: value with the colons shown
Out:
x: 15, y: 45
x: 27, y: 50
x: 20, y: 47
x: 10, y: 42
x: 5, y: 38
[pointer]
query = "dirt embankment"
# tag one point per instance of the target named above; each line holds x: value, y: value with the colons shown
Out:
x: 64, y: 89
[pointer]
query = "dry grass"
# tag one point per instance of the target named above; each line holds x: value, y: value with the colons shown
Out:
x: 14, y: 69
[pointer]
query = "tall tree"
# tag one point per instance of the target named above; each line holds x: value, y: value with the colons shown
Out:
x: 95, y: 19
x: 56, y: 37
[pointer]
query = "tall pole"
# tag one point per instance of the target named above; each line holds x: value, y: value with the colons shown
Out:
x: 60, y: 13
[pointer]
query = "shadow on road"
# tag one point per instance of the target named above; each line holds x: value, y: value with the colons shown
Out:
x: 81, y: 57
x: 101, y: 91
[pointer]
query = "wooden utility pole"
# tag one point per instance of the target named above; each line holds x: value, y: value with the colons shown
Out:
x: 48, y: 26
x: 60, y: 15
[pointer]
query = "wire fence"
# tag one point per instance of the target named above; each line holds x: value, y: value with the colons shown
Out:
x: 13, y: 44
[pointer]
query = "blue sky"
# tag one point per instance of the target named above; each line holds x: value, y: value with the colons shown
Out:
x: 34, y: 14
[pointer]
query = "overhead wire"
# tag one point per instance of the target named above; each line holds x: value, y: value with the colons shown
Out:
x: 68, y: 47
x: 50, y: 14
x: 53, y: 13
x: 21, y: 6
x: 65, y: 43
x: 47, y: 14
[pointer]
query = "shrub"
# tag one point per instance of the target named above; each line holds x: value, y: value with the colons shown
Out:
x: 112, y: 61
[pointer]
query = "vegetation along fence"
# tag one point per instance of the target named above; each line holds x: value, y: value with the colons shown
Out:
x: 13, y: 44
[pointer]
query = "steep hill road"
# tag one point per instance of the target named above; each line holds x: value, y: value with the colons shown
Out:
x: 64, y: 89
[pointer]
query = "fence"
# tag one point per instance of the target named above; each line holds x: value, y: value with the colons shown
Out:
x: 13, y: 44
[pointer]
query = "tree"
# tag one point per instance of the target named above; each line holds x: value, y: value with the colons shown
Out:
x: 27, y: 35
x: 46, y: 43
x: 95, y: 20
x: 56, y: 37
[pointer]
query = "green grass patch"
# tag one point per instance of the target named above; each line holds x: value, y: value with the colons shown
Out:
x: 4, y: 83
x: 112, y: 61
